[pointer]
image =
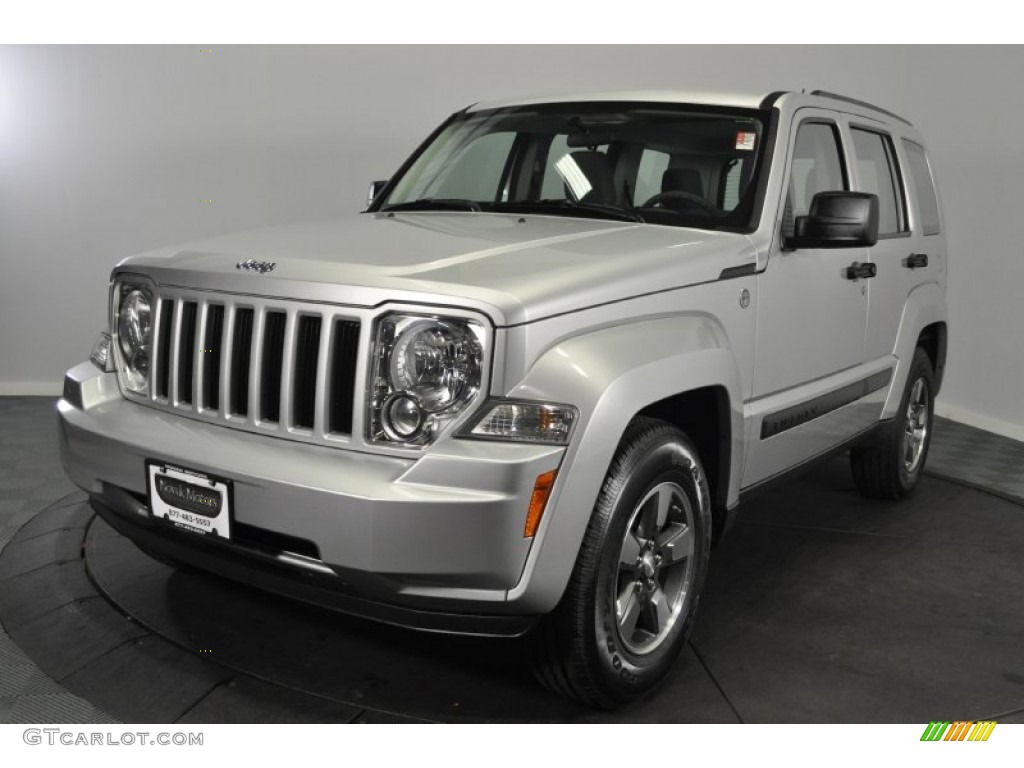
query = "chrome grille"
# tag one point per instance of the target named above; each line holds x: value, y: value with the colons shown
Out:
x: 240, y: 359
x: 187, y: 353
x: 213, y: 350
x: 307, y: 349
x: 345, y: 346
x: 258, y: 364
x: 271, y: 364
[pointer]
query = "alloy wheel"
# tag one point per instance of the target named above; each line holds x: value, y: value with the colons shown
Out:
x: 916, y: 426
x: 655, y: 568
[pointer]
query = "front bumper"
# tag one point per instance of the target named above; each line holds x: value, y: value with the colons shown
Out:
x: 433, y: 541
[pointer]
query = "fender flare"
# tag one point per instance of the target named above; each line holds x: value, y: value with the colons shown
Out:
x: 610, y: 375
x: 925, y: 305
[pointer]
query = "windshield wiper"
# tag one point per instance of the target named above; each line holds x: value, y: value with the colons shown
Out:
x: 567, y: 206
x: 435, y: 204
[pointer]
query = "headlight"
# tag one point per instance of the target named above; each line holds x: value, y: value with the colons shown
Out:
x: 134, y: 336
x: 426, y: 371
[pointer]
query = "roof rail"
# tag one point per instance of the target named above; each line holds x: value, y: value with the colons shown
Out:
x: 859, y: 103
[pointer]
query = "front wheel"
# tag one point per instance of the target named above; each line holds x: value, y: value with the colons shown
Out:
x: 632, y: 599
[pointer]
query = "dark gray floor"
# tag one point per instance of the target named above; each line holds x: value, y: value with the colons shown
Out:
x: 31, y: 480
x: 820, y: 608
x: 977, y: 458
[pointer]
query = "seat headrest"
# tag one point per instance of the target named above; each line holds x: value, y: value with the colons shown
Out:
x: 682, y: 180
x: 596, y: 168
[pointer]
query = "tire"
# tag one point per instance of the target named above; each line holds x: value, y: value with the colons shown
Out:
x: 890, y: 467
x: 620, y: 625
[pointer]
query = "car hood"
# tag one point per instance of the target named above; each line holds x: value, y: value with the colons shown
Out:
x: 517, y: 268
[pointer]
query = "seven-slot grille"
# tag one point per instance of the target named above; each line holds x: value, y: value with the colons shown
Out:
x: 256, y: 364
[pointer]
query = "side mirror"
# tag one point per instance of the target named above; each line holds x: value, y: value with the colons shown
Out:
x: 375, y: 189
x: 837, y: 220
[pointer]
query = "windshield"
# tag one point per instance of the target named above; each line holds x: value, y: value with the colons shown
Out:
x: 665, y: 164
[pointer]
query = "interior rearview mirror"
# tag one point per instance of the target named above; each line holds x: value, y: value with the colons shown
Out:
x: 375, y: 189
x: 589, y: 138
x: 837, y: 220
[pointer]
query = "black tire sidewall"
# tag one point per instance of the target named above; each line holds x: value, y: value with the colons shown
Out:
x: 921, y: 368
x: 624, y: 674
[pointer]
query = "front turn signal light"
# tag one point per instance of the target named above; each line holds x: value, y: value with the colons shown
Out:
x: 539, y: 500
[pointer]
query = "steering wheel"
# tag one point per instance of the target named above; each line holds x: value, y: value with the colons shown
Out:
x: 677, y: 194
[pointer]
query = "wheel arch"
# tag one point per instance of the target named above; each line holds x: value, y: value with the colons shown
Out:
x: 933, y: 340
x: 704, y: 415
x: 668, y: 367
x: 924, y: 323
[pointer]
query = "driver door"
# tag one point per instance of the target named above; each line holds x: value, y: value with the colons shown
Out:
x: 811, y: 320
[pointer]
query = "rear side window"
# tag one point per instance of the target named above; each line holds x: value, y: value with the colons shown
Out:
x: 879, y: 173
x: 924, y: 186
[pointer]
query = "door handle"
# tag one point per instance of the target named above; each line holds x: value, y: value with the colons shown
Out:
x: 857, y: 270
x: 915, y: 260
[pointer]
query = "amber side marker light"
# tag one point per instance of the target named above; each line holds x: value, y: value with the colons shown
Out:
x: 539, y: 500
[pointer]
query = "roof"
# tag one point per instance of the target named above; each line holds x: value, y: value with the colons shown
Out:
x: 709, y: 98
x: 747, y: 100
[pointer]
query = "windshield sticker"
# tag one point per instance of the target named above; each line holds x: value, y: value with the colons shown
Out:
x: 745, y: 140
x: 573, y: 176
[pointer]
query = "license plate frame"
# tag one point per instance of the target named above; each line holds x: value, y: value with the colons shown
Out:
x: 198, y: 503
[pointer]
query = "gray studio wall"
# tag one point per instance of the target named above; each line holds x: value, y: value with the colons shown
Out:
x: 105, y: 152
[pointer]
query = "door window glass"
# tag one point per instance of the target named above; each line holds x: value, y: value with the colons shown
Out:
x: 817, y: 167
x: 879, y: 174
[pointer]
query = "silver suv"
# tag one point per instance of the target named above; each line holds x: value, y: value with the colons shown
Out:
x: 529, y: 386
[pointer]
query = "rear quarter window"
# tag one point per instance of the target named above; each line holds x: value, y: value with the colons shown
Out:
x: 924, y: 186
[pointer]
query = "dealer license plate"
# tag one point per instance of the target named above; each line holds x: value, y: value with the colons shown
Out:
x: 192, y: 501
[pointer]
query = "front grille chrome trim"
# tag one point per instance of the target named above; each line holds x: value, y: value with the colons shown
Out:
x: 322, y: 395
x: 172, y: 388
x: 219, y: 402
